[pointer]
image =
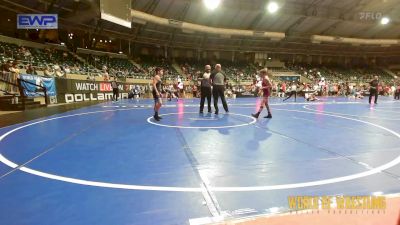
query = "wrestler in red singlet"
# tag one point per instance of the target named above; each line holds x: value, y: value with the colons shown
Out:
x: 266, y: 89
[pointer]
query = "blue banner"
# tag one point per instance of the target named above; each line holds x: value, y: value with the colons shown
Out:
x: 37, y: 21
x: 31, y: 90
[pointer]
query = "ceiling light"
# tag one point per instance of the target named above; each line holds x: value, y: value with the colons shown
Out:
x: 211, y: 4
x: 272, y: 7
x: 385, y: 20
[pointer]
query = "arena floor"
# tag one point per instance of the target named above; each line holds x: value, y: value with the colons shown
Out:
x: 111, y: 163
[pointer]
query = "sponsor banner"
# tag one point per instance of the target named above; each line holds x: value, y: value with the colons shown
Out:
x: 91, y: 97
x: 31, y: 90
x: 105, y: 87
x: 246, y: 94
x: 37, y: 21
x: 289, y: 78
x: 69, y: 90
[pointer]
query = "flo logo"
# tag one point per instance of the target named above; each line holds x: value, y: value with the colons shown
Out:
x: 370, y: 15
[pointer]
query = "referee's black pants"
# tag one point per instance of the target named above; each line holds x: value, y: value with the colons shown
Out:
x: 205, y: 93
x: 115, y: 94
x: 373, y: 92
x: 218, y: 92
x: 397, y: 95
x: 290, y: 95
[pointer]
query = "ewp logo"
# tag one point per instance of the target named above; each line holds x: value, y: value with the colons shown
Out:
x: 37, y: 21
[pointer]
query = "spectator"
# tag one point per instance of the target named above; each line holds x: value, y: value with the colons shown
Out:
x: 31, y: 70
x: 105, y: 75
x: 6, y: 66
x: 67, y: 70
x: 58, y: 72
x: 14, y: 76
x: 91, y: 77
x: 49, y: 72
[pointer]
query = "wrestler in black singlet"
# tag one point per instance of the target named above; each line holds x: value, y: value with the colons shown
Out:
x: 158, y: 86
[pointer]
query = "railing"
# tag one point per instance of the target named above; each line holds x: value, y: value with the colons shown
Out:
x: 10, y: 79
x: 6, y: 92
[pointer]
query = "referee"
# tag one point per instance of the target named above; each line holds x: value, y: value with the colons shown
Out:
x: 205, y: 89
x: 114, y: 86
x: 218, y: 80
x: 293, y: 91
x: 373, y: 90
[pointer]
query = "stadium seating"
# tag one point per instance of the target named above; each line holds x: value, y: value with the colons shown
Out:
x: 37, y: 57
x: 42, y: 58
x: 234, y: 72
x: 337, y: 74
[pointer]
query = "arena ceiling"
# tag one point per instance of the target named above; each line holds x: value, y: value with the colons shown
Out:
x: 298, y: 19
x: 295, y: 17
